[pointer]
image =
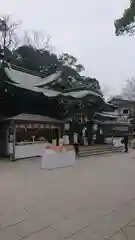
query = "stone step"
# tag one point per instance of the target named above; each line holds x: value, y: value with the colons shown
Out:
x: 94, y: 149
x: 89, y: 151
x: 103, y: 146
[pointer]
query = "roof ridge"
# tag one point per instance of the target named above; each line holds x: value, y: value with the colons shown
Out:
x: 25, y: 70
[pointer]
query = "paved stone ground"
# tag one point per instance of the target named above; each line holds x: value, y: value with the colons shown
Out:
x: 94, y: 200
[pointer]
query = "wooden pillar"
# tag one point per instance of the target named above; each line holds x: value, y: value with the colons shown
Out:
x: 14, y: 142
x: 59, y: 129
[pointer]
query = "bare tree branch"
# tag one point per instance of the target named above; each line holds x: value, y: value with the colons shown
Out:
x: 9, y: 37
x: 37, y: 40
x: 47, y: 42
x: 128, y: 92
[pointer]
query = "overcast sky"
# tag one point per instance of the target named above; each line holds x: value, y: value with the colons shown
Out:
x: 83, y: 28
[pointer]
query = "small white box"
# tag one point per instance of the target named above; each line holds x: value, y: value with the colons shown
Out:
x: 52, y: 159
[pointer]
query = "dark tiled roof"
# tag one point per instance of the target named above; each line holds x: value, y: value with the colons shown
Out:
x: 118, y: 101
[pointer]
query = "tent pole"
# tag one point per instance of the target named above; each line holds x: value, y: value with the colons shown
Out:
x: 14, y: 142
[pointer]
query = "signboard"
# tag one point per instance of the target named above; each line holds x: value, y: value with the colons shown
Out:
x: 36, y: 126
x: 123, y: 119
x: 29, y: 126
x: 121, y: 129
x: 67, y: 126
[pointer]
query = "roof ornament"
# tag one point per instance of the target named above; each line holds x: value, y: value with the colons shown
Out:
x: 8, y: 65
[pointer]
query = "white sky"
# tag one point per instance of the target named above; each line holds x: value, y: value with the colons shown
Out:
x: 85, y: 29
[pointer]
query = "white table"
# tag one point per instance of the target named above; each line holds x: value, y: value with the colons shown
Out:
x: 27, y: 150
